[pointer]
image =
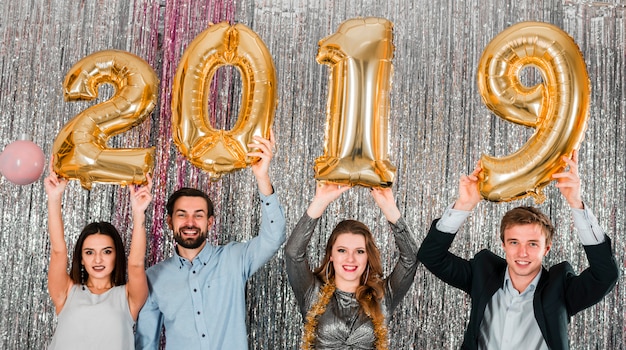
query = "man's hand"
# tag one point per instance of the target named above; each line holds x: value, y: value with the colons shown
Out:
x: 469, y: 193
x: 568, y: 182
x: 260, y: 169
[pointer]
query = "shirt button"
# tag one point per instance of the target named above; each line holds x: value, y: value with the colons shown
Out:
x: 195, y: 290
x: 203, y: 336
x: 198, y: 312
x: 272, y: 221
x: 194, y: 272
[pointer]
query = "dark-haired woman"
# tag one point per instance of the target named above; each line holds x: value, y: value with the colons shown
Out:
x: 346, y: 302
x: 96, y: 305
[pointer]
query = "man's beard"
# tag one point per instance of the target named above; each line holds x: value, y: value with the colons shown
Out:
x: 190, y: 243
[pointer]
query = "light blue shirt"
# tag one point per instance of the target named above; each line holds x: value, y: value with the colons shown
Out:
x: 202, y: 302
x: 509, y: 321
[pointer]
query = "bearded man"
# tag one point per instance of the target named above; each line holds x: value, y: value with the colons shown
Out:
x: 199, y: 293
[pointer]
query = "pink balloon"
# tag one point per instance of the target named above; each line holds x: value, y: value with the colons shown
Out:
x: 22, y: 162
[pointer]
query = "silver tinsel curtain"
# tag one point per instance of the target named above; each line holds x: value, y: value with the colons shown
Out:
x: 438, y: 127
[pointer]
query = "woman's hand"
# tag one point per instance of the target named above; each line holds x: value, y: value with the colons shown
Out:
x: 325, y: 193
x: 385, y: 201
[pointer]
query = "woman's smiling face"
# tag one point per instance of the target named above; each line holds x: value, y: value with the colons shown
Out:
x: 349, y: 258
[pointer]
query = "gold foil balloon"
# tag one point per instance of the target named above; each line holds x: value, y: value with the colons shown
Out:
x: 219, y: 151
x: 80, y: 149
x: 557, y: 107
x: 356, y: 145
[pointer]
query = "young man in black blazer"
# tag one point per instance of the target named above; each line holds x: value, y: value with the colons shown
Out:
x: 516, y: 302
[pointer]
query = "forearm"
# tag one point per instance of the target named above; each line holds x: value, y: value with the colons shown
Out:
x: 296, y: 246
x: 434, y: 254
x: 137, y: 253
x: 452, y: 219
x: 298, y: 270
x: 56, y: 230
x: 392, y: 213
x: 273, y: 223
x: 402, y: 276
x: 265, y: 184
x: 587, y: 227
x: 405, y: 243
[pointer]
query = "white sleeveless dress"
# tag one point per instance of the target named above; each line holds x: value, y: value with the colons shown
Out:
x: 94, y: 321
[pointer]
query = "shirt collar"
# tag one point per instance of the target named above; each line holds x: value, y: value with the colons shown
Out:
x: 201, y: 258
x: 508, y: 286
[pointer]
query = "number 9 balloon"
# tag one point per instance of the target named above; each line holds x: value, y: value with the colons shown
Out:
x: 80, y: 149
x: 557, y: 107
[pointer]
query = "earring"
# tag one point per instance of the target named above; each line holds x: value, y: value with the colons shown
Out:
x: 83, y: 274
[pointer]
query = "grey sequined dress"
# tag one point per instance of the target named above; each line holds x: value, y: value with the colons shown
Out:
x: 344, y: 325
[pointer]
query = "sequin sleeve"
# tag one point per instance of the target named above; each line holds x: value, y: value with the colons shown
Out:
x: 401, y: 278
x: 298, y: 271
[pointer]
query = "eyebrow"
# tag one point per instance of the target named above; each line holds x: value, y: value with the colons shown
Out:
x: 108, y: 247
x: 341, y: 246
x: 517, y: 240
x: 195, y: 211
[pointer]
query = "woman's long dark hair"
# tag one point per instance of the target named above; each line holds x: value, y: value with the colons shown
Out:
x: 118, y: 276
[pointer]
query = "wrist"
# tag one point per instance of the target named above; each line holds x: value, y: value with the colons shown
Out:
x: 316, y: 209
x: 464, y: 205
x: 393, y: 216
x: 576, y: 204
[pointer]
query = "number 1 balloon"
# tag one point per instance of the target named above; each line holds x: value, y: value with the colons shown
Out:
x: 356, y: 149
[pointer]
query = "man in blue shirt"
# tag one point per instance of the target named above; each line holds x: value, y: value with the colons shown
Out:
x: 199, y: 293
x: 516, y: 302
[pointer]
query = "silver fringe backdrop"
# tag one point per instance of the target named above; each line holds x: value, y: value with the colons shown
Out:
x: 438, y: 129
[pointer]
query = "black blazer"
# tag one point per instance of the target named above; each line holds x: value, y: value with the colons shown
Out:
x: 560, y: 292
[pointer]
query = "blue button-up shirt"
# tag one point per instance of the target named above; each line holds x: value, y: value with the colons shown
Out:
x: 202, y: 302
x: 509, y: 321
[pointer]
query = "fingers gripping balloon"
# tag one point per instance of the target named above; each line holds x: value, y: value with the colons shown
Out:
x: 212, y: 150
x: 80, y: 149
x: 356, y: 149
x: 557, y: 107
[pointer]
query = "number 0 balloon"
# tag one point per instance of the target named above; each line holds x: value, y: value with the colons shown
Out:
x: 557, y: 107
x: 221, y: 151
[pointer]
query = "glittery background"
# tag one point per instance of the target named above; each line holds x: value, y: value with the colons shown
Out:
x: 438, y: 129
